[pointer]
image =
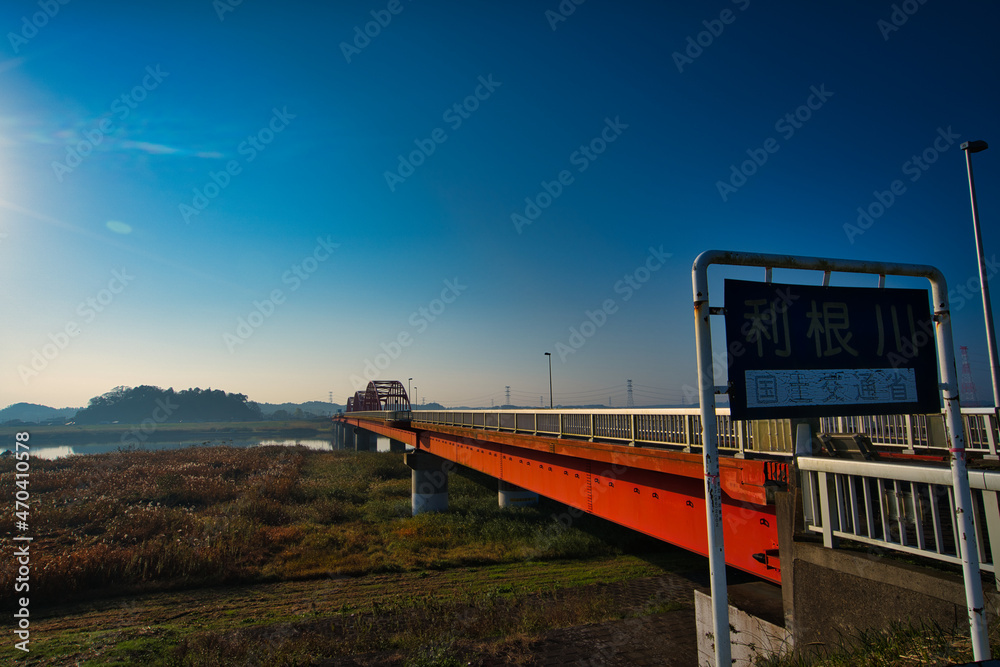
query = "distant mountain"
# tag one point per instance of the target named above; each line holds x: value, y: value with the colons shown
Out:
x: 32, y: 413
x: 314, y: 408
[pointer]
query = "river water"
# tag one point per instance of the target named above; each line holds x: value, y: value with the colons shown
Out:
x: 58, y: 451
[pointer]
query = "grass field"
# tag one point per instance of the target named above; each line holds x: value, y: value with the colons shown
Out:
x: 127, y: 530
x: 283, y: 555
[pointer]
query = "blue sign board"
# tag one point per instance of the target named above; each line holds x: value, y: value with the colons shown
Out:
x: 811, y: 351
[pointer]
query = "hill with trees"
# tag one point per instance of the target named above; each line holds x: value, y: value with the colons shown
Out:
x: 136, y: 405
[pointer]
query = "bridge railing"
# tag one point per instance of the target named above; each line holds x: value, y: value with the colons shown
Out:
x: 676, y: 428
x: 680, y: 428
x: 905, y: 508
x: 921, y: 433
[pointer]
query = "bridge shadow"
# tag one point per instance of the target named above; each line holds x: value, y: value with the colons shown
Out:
x: 569, y: 533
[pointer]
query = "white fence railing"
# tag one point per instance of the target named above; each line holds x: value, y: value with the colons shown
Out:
x: 907, y: 508
x: 681, y: 428
x: 911, y: 433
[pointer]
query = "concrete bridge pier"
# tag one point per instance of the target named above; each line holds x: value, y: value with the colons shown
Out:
x: 387, y: 444
x: 365, y: 440
x: 510, y: 495
x: 337, y: 435
x: 429, y: 481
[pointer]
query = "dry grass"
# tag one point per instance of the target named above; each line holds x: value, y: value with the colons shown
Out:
x: 116, y: 521
x: 925, y: 645
x: 129, y: 521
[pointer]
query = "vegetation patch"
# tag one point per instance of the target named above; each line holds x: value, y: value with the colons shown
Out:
x: 277, y: 555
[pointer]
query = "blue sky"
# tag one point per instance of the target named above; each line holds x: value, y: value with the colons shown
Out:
x: 261, y: 198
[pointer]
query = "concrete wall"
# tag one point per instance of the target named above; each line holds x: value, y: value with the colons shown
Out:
x: 837, y: 593
x: 829, y: 595
x: 753, y: 631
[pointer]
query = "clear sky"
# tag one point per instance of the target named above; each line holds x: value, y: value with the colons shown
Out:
x: 264, y: 197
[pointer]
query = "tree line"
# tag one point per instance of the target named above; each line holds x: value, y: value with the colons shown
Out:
x: 134, y: 405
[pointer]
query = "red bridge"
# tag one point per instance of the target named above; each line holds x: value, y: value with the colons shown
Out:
x: 638, y: 468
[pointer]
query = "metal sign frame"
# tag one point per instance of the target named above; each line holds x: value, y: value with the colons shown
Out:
x: 707, y: 390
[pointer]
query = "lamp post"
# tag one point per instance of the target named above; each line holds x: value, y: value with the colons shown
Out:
x: 415, y: 394
x: 549, y: 355
x: 408, y: 381
x: 971, y: 147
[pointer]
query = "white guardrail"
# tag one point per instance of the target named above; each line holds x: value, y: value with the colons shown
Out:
x: 681, y: 428
x: 908, y: 508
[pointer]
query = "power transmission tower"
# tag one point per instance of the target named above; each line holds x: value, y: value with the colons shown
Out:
x: 631, y: 403
x: 508, y: 395
x: 968, y: 388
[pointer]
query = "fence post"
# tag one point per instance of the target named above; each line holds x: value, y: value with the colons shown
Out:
x: 991, y: 508
x: 909, y: 434
x: 991, y: 437
x: 826, y: 516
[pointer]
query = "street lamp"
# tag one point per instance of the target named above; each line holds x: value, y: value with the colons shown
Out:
x: 408, y: 381
x: 549, y: 355
x: 971, y: 147
x: 415, y: 394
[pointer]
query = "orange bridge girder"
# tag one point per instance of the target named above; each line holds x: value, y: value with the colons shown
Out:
x: 655, y: 491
